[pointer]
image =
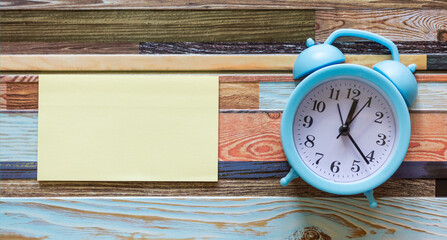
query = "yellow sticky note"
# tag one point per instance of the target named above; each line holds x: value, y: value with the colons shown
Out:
x: 128, y: 127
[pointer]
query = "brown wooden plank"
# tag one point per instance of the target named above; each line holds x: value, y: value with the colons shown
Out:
x: 156, y: 26
x: 236, y: 91
x: 68, y: 48
x: 238, y: 95
x: 218, y: 4
x: 226, y: 187
x: 22, y: 95
x: 396, y: 25
x: 3, y: 102
x: 273, y: 62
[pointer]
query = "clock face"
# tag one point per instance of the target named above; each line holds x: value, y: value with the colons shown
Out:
x: 344, y: 130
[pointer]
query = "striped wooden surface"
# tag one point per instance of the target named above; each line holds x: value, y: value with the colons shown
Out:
x: 157, y: 26
x: 224, y: 187
x: 222, y: 218
x: 396, y: 25
x: 243, y: 136
x: 363, y: 47
x: 262, y: 37
x: 217, y: 4
x: 248, y: 169
x: 267, y: 62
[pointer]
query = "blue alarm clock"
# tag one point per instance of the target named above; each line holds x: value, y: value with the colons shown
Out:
x: 346, y: 127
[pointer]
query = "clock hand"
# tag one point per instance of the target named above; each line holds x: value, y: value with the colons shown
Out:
x: 339, y: 113
x: 352, y: 119
x: 351, y: 112
x: 358, y: 149
x: 345, y: 125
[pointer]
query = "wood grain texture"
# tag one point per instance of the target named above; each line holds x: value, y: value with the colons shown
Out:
x: 238, y: 95
x: 420, y: 77
x: 248, y: 169
x: 256, y: 137
x: 396, y: 25
x: 437, y: 62
x: 223, y: 218
x: 364, y: 47
x: 3, y: 98
x: 243, y: 136
x: 69, y: 48
x: 431, y: 96
x: 18, y: 138
x: 216, y: 4
x: 78, y: 62
x: 157, y: 26
x: 22, y: 95
x: 224, y: 187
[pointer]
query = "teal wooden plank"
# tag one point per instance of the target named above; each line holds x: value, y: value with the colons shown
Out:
x: 222, y: 218
x: 431, y: 96
x: 18, y: 136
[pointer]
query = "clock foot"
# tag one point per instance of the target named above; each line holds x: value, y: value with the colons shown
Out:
x: 289, y: 177
x: 369, y: 195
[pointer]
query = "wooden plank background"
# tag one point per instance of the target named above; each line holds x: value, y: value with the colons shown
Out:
x: 251, y: 46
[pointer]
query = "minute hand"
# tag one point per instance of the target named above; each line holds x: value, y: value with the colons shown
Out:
x: 358, y: 148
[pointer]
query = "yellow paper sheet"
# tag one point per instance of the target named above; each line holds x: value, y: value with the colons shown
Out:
x: 127, y: 127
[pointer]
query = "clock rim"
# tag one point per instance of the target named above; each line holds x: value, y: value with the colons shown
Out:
x: 402, y: 135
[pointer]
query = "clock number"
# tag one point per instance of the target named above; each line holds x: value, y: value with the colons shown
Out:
x: 368, y: 103
x: 370, y: 157
x: 308, y: 121
x: 354, y: 92
x: 319, y: 106
x: 334, y: 92
x: 379, y: 116
x: 355, y: 167
x: 318, y: 160
x: 381, y: 140
x: 309, y: 141
x: 335, y: 167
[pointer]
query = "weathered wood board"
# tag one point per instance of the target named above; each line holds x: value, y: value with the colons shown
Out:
x: 247, y: 62
x: 396, y: 25
x: 224, y: 187
x: 157, y: 26
x: 223, y: 218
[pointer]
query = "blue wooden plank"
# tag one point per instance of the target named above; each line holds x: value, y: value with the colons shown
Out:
x: 222, y: 218
x: 18, y: 136
x: 431, y: 96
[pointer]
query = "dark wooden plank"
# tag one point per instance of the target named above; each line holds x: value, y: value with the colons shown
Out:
x: 157, y: 26
x: 218, y: 4
x: 68, y: 48
x: 437, y: 61
x: 249, y: 170
x: 359, y: 47
x: 441, y: 187
x: 396, y: 25
x: 224, y: 187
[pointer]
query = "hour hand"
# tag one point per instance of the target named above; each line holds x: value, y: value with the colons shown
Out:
x: 351, y: 111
